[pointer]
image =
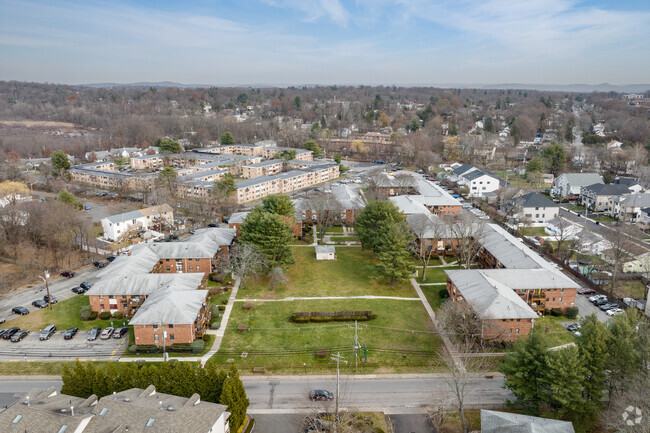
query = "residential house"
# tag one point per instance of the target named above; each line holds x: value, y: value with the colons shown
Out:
x: 128, y: 223
x: 350, y: 201
x: 597, y: 197
x: 628, y: 207
x: 568, y: 185
x: 504, y: 422
x: 638, y: 264
x: 237, y: 219
x: 479, y: 183
x: 632, y: 183
x: 133, y: 410
x: 535, y: 208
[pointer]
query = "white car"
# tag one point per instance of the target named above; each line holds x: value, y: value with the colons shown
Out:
x: 596, y: 297
x: 614, y: 311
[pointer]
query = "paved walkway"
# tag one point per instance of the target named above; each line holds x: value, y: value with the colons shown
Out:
x: 292, y: 298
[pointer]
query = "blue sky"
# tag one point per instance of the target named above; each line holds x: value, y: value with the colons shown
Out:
x: 293, y: 42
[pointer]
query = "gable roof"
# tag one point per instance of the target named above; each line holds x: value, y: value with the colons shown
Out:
x: 478, y: 173
x: 635, y: 200
x: 607, y: 189
x: 503, y: 422
x: 581, y: 179
x: 535, y: 199
x: 169, y: 306
x: 149, y: 211
x: 145, y: 284
x: 458, y: 171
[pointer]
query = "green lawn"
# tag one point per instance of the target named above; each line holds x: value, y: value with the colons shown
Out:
x: 335, y: 229
x: 630, y: 289
x: 533, y: 231
x: 344, y: 238
x: 605, y: 219
x: 353, y: 273
x: 576, y: 208
x: 435, y: 275
x: 401, y: 338
x: 221, y: 299
x: 37, y: 367
x: 206, y: 349
x: 432, y: 294
x: 64, y: 315
x: 554, y: 330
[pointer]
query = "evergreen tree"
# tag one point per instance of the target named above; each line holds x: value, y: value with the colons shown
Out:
x: 626, y: 357
x: 395, y: 260
x: 313, y: 146
x: 279, y: 204
x: 592, y: 348
x: 488, y: 126
x: 60, y: 162
x: 374, y: 221
x: 270, y: 234
x: 224, y: 186
x: 525, y: 371
x: 101, y: 386
x: 227, y: 138
x: 234, y: 397
x: 337, y: 158
x: 564, y: 379
x: 168, y: 146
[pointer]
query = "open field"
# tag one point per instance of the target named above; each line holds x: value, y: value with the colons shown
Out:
x: 352, y: 274
x: 401, y: 338
x: 64, y: 315
x: 533, y: 231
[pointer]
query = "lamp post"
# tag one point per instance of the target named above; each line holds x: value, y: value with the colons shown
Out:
x: 47, y: 287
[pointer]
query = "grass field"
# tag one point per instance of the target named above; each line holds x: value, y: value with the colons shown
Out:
x: 351, y: 274
x: 344, y: 239
x: 334, y: 230
x: 206, y: 349
x: 36, y: 367
x: 435, y: 275
x: 554, y: 330
x: 402, y: 328
x: 432, y: 294
x: 533, y: 231
x: 630, y: 289
x: 64, y: 315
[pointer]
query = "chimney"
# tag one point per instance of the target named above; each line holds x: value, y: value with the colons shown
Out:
x: 72, y: 410
x: 160, y: 402
x: 28, y: 401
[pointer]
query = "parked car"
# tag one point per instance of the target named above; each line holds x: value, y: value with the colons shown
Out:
x: 94, y: 333
x: 106, y: 333
x: 87, y: 207
x: 3, y: 332
x: 320, y: 394
x: 213, y: 225
x: 9, y: 333
x: 19, y: 336
x: 573, y: 327
x: 586, y: 292
x: 614, y: 311
x: 608, y: 306
x: 39, y: 303
x: 596, y: 298
x: 46, y: 333
x: 50, y: 299
x: 111, y: 258
x: 20, y: 310
x: 67, y: 274
x: 78, y: 290
x: 86, y: 286
x: 99, y: 264
x: 601, y: 302
x: 120, y: 332
x: 70, y: 333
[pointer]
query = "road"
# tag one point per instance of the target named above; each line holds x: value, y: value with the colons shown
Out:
x: 60, y: 288
x: 287, y: 394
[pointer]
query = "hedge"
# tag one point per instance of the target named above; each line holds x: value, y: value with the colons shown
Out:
x: 105, y: 315
x: 443, y: 293
x: 195, y: 347
x: 87, y: 313
x: 572, y: 312
x: 118, y: 315
x: 332, y: 316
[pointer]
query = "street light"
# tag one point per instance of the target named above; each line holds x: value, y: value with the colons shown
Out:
x: 47, y: 287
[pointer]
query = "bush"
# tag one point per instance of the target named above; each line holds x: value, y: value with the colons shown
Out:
x: 147, y: 348
x: 443, y: 293
x: 118, y: 315
x: 556, y: 312
x: 214, y: 309
x: 86, y: 313
x: 197, y: 346
x: 572, y: 312
x: 206, y: 337
x: 180, y: 347
x: 322, y: 353
x: 332, y: 316
x: 213, y: 291
x: 105, y: 315
x: 242, y: 327
x: 215, y: 325
x: 133, y: 348
x: 216, y: 277
x: 140, y: 363
x: 248, y: 306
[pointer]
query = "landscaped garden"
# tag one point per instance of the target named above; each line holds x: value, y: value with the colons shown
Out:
x: 400, y: 338
x: 353, y: 273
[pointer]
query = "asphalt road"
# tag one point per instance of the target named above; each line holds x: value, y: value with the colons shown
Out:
x: 60, y: 288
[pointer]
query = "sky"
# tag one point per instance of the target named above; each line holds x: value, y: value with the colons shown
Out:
x: 302, y: 42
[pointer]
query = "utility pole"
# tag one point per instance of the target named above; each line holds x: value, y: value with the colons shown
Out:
x: 356, y: 348
x: 47, y: 288
x: 338, y: 359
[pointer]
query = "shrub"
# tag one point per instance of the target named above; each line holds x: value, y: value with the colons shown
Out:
x: 140, y: 363
x: 216, y: 277
x: 213, y: 291
x: 180, y: 347
x: 118, y: 315
x: 572, y: 312
x: 556, y: 312
x: 206, y: 337
x: 332, y: 316
x: 93, y: 315
x: 197, y: 346
x: 85, y: 313
x: 322, y: 353
x: 248, y: 306
x: 214, y: 309
x: 105, y: 315
x: 225, y: 302
x: 215, y: 325
x: 221, y: 308
x: 443, y: 293
x: 242, y: 327
x: 132, y: 348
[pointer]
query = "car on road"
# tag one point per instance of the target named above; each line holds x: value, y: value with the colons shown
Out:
x: 86, y: 286
x: 78, y: 290
x: 111, y: 258
x: 9, y: 333
x: 67, y: 274
x: 120, y: 332
x: 70, y: 333
x: 614, y: 311
x: 98, y: 264
x: 106, y: 333
x: 46, y: 333
x: 320, y: 394
x: 586, y: 292
x: 19, y: 336
x: 50, y: 299
x: 20, y: 310
x: 94, y: 333
x: 39, y: 303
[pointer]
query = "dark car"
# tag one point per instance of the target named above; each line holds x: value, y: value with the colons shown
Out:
x: 320, y: 394
x: 39, y: 303
x: 50, y: 299
x: 20, y: 310
x: 213, y: 225
x: 19, y: 336
x: 601, y: 301
x: 120, y: 332
x: 78, y: 290
x: 67, y: 274
x: 46, y: 333
x: 70, y: 333
x: 10, y: 333
x: 608, y: 306
x: 99, y: 264
x: 86, y: 286
x: 94, y: 333
x: 111, y: 258
x: 573, y: 327
x: 586, y: 292
x: 2, y: 332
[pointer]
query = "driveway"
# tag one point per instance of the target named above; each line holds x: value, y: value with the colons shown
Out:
x: 56, y: 348
x: 586, y: 308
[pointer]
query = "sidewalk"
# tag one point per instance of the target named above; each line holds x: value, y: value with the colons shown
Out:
x: 395, y: 298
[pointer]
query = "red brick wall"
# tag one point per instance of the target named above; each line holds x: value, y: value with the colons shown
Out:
x: 96, y: 302
x: 506, y: 330
x: 144, y: 334
x: 205, y: 266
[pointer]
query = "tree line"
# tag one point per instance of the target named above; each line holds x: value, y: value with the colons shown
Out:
x: 183, y: 379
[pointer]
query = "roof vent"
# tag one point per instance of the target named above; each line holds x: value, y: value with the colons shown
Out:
x: 127, y: 399
x: 170, y: 408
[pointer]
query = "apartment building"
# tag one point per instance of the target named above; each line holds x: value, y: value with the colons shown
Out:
x: 264, y: 168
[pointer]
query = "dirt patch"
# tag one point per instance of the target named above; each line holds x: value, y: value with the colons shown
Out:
x: 37, y: 123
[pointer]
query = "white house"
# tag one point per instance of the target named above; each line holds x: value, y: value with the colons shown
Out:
x: 117, y: 226
x: 569, y: 184
x: 479, y: 182
x: 535, y: 208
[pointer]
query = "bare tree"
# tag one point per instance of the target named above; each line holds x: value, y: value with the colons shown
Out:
x: 563, y: 237
x: 244, y: 261
x: 459, y: 322
x: 468, y: 233
x: 278, y: 278
x: 428, y: 230
x: 617, y: 253
x: 325, y: 210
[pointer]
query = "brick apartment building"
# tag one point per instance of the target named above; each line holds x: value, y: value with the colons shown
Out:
x: 264, y: 168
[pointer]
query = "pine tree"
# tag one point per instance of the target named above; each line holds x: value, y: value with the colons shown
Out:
x: 592, y: 347
x: 101, y: 385
x: 395, y: 261
x: 564, y: 378
x: 234, y: 397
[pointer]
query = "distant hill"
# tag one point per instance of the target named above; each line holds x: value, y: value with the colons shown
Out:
x: 584, y: 88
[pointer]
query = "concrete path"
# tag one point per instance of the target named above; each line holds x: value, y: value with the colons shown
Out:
x: 292, y: 298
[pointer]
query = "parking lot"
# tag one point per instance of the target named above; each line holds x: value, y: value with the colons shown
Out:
x: 57, y: 348
x: 586, y: 308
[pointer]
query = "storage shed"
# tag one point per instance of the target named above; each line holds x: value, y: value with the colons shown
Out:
x: 325, y: 252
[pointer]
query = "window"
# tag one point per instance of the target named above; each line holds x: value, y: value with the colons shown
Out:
x: 197, y: 268
x: 171, y: 337
x: 101, y: 297
x: 101, y: 308
x: 536, y: 215
x: 517, y: 331
x: 190, y: 267
x: 111, y: 297
x: 155, y: 338
x: 560, y: 300
x: 170, y: 326
x: 168, y: 268
x: 155, y: 327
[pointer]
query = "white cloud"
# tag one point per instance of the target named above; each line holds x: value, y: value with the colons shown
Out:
x: 313, y: 10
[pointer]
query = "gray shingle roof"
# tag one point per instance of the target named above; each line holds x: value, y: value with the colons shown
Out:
x: 636, y: 200
x: 325, y: 249
x: 237, y: 217
x: 145, y: 284
x: 462, y: 169
x: 534, y: 199
x: 478, y: 173
x: 503, y: 422
x: 607, y: 189
x: 169, y: 306
x: 582, y: 179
